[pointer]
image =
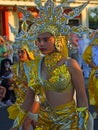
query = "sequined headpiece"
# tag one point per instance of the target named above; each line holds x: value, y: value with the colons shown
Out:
x: 22, y: 40
x: 53, y: 19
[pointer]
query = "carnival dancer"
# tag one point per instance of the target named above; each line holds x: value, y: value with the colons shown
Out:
x: 90, y: 56
x: 21, y: 74
x: 55, y: 76
x: 21, y: 71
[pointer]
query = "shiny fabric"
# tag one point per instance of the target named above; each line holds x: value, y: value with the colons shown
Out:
x: 59, y: 79
x: 83, y: 115
x: 22, y: 74
x: 89, y: 54
x: 13, y: 111
x: 62, y: 117
x: 93, y: 88
x: 20, y: 118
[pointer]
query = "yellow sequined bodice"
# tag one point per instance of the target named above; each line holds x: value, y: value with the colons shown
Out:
x: 59, y: 81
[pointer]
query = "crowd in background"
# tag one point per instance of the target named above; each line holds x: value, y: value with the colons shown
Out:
x: 7, y: 59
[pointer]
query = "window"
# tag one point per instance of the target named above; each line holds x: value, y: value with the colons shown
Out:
x: 93, y: 18
x: 74, y: 22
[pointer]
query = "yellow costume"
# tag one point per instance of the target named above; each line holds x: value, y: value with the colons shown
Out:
x: 62, y: 117
x: 65, y: 116
x: 21, y: 76
x: 57, y: 118
x: 53, y: 20
x: 91, y: 55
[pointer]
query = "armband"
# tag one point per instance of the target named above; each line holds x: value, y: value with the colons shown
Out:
x: 20, y: 118
x: 83, y: 117
x: 34, y: 117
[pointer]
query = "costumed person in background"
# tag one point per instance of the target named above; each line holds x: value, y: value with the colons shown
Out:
x: 21, y: 76
x: 90, y: 56
x: 83, y: 42
x: 55, y: 76
x: 3, y: 50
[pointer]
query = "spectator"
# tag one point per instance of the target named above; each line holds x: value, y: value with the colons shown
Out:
x: 3, y: 49
x: 9, y: 47
x: 80, y: 43
x: 6, y: 76
x: 2, y: 95
x: 73, y: 46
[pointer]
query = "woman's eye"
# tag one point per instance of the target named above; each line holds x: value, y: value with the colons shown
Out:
x: 38, y: 40
x: 45, y: 39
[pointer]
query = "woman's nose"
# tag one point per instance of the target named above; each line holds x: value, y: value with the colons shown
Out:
x: 19, y: 54
x: 41, y: 43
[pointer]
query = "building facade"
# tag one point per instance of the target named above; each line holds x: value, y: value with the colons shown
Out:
x: 10, y: 15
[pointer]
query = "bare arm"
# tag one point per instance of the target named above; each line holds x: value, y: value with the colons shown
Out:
x: 78, y: 82
x: 29, y: 100
x: 4, y: 54
x: 3, y: 91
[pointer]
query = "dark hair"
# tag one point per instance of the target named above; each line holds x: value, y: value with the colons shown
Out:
x: 3, y: 66
x: 6, y: 60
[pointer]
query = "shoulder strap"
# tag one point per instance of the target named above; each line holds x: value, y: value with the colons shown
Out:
x: 67, y: 61
x: 61, y: 62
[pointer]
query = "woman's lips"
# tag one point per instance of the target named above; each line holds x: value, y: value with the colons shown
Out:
x: 42, y: 49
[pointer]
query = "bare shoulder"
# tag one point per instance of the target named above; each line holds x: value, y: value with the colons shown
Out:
x: 73, y: 64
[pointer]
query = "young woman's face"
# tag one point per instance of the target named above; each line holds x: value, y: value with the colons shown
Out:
x: 45, y: 43
x: 22, y: 54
